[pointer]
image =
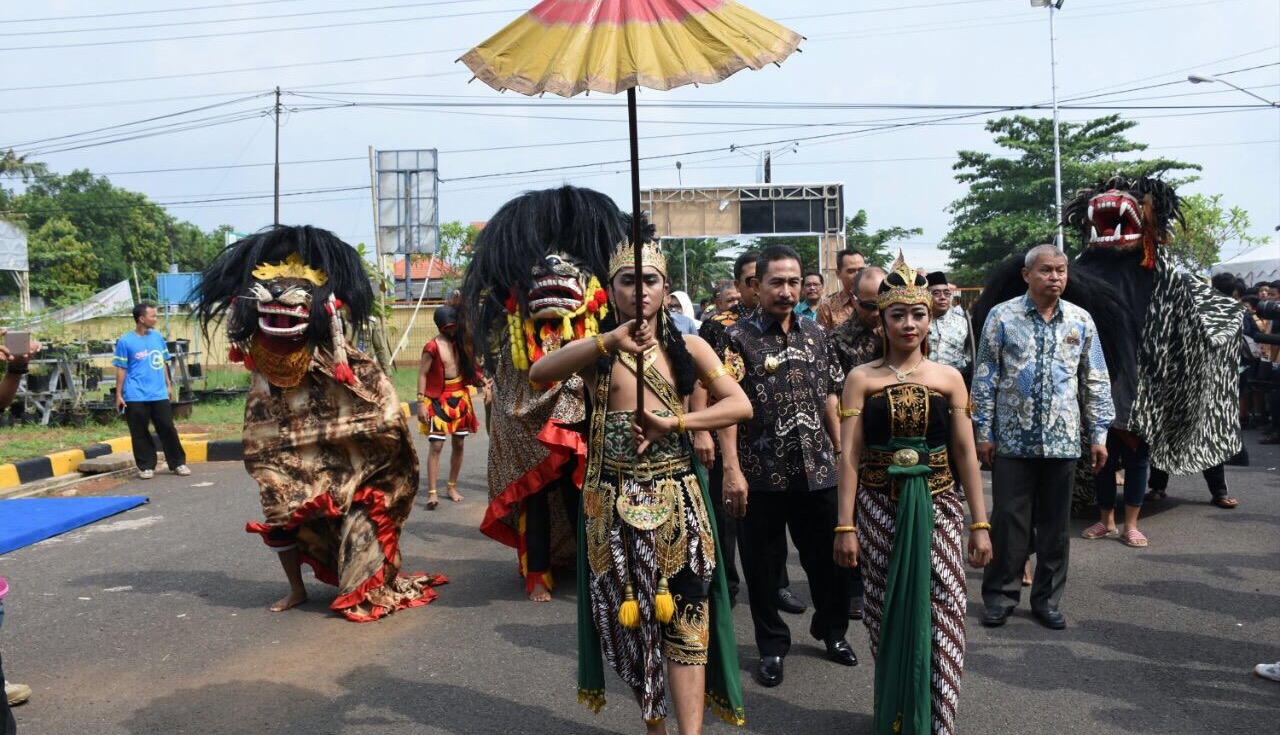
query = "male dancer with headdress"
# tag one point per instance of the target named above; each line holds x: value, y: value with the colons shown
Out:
x: 323, y: 433
x: 651, y: 586
x: 446, y: 375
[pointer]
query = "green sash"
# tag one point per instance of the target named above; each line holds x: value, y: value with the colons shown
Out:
x: 903, y: 700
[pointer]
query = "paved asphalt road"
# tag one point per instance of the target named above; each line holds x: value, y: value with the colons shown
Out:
x: 155, y: 621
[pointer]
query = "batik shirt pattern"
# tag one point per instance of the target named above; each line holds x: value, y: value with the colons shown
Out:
x: 1033, y: 378
x: 789, y: 401
x: 949, y: 339
x: 855, y: 344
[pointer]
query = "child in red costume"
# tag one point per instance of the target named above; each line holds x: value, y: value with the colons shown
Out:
x: 445, y: 377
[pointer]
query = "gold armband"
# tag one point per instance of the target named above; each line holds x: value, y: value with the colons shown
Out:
x: 984, y: 526
x: 604, y: 351
x: 966, y: 409
x: 680, y: 424
x: 846, y: 413
x: 710, y: 377
x: 846, y: 529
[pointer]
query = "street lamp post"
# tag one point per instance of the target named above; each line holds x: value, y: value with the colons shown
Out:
x: 1205, y: 79
x: 1057, y: 151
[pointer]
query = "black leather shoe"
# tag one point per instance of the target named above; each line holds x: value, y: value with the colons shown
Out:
x: 789, y: 603
x: 1051, y: 619
x: 769, y: 671
x: 995, y: 616
x: 840, y: 652
x: 856, y: 608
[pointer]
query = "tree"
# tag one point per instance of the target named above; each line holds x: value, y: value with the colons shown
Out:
x: 874, y: 246
x: 64, y: 268
x: 456, y: 241
x: 1010, y: 203
x: 1209, y: 227
x: 705, y: 266
x: 126, y: 230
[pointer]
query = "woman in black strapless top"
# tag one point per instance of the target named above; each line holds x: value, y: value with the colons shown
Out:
x: 905, y: 435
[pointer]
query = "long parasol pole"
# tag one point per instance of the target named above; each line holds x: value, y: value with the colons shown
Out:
x: 635, y: 236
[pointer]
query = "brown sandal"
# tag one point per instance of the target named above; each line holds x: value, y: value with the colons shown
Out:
x: 1223, y: 501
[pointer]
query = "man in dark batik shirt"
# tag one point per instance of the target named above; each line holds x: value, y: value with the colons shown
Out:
x: 857, y: 340
x: 713, y: 331
x: 780, y: 466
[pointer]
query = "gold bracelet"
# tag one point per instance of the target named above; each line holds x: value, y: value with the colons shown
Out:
x: 846, y: 413
x: 604, y: 351
x: 846, y: 529
x: 680, y: 424
x: 984, y: 526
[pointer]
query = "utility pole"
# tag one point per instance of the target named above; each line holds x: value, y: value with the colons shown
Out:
x: 277, y: 195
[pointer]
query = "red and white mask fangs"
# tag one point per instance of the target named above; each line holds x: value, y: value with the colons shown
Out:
x: 1115, y: 220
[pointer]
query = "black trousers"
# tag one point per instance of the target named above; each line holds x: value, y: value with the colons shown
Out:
x: 726, y: 526
x: 537, y: 524
x: 139, y: 414
x: 7, y: 725
x: 762, y: 540
x: 1215, y: 478
x: 1027, y: 495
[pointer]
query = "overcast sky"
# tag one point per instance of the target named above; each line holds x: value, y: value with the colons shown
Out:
x: 66, y: 74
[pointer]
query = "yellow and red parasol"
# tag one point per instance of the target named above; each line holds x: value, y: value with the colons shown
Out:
x: 570, y: 46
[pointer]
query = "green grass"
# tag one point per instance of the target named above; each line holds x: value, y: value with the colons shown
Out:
x: 218, y: 419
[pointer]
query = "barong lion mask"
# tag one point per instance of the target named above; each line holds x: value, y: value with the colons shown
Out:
x: 537, y: 271
x: 1123, y: 214
x: 280, y: 292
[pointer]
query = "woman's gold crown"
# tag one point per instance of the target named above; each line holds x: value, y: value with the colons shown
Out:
x: 624, y: 256
x: 903, y: 286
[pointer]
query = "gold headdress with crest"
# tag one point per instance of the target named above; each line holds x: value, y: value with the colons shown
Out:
x: 290, y: 267
x: 624, y: 256
x: 903, y: 286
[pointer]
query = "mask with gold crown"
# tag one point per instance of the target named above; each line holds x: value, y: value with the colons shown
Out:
x: 281, y: 292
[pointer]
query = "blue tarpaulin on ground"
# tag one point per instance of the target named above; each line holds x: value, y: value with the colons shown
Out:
x: 25, y: 521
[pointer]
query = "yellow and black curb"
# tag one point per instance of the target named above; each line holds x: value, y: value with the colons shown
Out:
x: 54, y: 464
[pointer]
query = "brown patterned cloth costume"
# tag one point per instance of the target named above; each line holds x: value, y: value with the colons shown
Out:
x: 534, y: 285
x: 336, y: 464
x: 324, y: 435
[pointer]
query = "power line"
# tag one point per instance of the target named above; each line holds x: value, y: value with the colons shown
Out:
x: 179, y: 113
x: 348, y: 24
x: 219, y: 6
x: 246, y: 19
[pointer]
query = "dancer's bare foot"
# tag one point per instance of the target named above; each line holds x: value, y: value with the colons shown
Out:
x: 433, y: 499
x: 539, y: 593
x: 454, y: 495
x: 292, y: 600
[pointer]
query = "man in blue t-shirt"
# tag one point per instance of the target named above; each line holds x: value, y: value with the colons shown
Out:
x: 142, y: 391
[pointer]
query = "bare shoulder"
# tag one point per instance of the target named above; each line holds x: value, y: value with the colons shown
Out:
x: 695, y: 344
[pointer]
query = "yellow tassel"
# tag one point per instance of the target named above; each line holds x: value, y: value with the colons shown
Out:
x: 629, y: 612
x: 566, y: 328
x: 663, y: 606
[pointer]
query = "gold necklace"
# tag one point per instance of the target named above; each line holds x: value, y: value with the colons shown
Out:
x: 900, y: 375
x: 650, y: 357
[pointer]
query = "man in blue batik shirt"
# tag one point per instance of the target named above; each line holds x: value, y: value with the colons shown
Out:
x: 142, y: 392
x: 1039, y: 365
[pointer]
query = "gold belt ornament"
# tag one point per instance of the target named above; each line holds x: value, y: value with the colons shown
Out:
x: 649, y: 508
x: 648, y: 470
x: 906, y: 457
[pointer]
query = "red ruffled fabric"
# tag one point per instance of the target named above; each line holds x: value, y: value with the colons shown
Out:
x: 374, y: 502
x: 564, y: 445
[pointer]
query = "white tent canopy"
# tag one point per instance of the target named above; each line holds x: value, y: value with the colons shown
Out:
x: 1259, y: 268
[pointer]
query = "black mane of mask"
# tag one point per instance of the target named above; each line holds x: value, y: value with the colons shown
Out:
x: 230, y: 275
x: 1166, y: 207
x: 582, y: 223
